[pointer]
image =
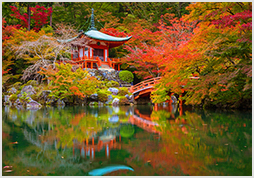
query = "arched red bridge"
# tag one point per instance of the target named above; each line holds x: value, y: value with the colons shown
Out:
x: 144, y: 88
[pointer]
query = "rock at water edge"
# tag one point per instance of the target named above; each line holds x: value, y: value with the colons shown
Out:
x: 29, y: 89
x: 115, y: 102
x: 33, y: 105
x: 114, y: 91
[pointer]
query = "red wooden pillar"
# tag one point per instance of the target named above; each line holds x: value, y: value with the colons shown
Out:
x: 170, y: 106
x: 93, y: 141
x: 91, y: 65
x: 180, y: 109
x: 71, y: 54
x: 181, y: 101
x: 118, y: 67
x: 87, y: 142
x: 119, y: 137
x: 156, y: 106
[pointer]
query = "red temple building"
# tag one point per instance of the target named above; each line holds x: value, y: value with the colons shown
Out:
x: 96, y: 55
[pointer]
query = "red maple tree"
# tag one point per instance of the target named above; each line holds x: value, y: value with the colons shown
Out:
x: 40, y: 15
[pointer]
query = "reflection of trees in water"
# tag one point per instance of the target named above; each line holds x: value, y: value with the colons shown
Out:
x: 59, y: 128
x: 44, y: 129
x: 206, y: 140
x: 213, y: 139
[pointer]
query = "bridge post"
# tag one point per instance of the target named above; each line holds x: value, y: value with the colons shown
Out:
x: 156, y: 107
x: 180, y: 100
x: 181, y: 107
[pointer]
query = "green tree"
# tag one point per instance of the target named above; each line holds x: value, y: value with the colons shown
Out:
x: 65, y: 83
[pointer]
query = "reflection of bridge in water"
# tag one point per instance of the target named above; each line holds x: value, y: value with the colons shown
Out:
x: 89, y: 148
x: 143, y: 121
x: 105, y: 140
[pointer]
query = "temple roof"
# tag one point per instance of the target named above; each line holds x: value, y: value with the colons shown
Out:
x: 97, y: 35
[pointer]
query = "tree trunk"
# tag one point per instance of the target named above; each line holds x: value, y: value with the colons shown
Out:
x: 179, y: 9
x: 50, y: 19
x: 29, y: 17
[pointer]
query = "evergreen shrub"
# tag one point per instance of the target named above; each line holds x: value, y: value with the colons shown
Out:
x: 126, y: 76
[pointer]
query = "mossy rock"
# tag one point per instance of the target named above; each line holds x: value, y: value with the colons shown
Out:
x: 13, y: 98
x: 17, y: 85
x: 34, y: 97
x: 124, y: 101
x: 102, y: 96
x: 123, y: 91
x: 103, y: 85
x: 30, y: 82
x: 112, y: 83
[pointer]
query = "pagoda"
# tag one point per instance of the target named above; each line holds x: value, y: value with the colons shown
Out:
x: 95, y: 55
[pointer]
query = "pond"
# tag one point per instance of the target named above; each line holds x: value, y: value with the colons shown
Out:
x: 126, y: 140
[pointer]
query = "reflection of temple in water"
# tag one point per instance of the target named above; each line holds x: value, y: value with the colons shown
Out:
x: 40, y: 133
x: 89, y: 147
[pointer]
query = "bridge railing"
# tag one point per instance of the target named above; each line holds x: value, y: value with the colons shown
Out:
x: 144, y: 84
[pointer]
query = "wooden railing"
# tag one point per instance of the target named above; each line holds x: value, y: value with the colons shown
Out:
x: 115, y: 60
x: 84, y: 61
x: 109, y: 63
x: 99, y: 61
x: 144, y: 84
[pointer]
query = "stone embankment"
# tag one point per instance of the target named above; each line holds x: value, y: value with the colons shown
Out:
x: 30, y: 97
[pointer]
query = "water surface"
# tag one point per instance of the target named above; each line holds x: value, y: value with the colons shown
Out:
x: 126, y: 140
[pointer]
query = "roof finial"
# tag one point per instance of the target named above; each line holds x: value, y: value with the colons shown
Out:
x: 92, y: 22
